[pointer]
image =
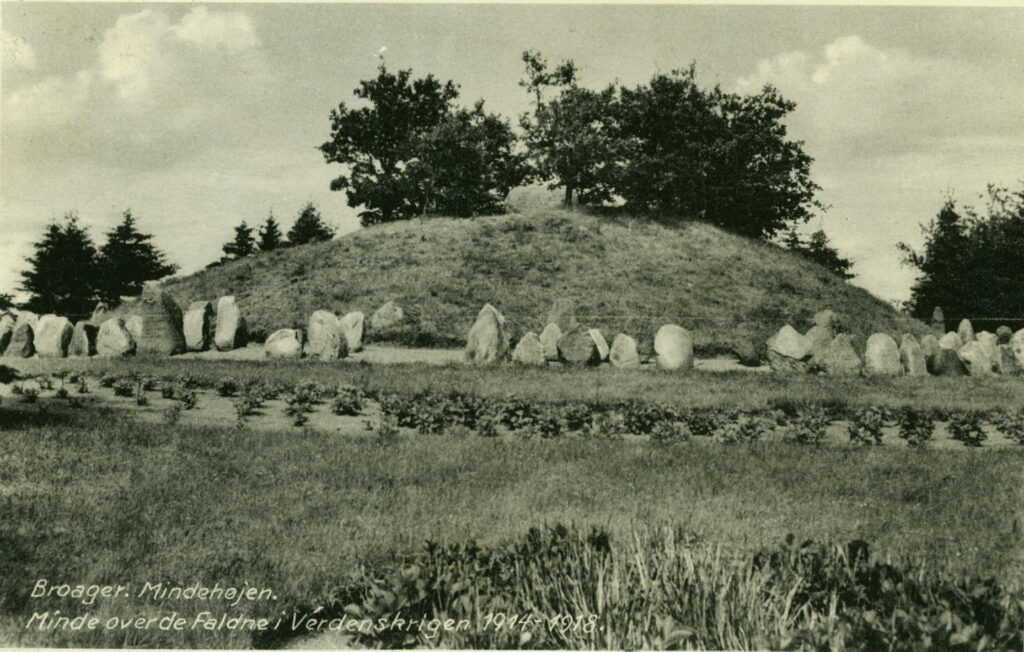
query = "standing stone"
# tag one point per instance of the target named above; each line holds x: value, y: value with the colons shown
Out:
x: 26, y: 317
x: 965, y: 331
x: 352, y: 327
x: 990, y: 345
x: 840, y: 358
x: 929, y: 345
x: 198, y: 323
x: 602, y: 344
x: 114, y: 339
x: 487, y: 341
x: 623, y: 353
x: 549, y: 340
x: 938, y: 320
x: 975, y: 359
x: 52, y: 336
x: 563, y: 314
x: 324, y: 338
x: 950, y: 341
x: 674, y: 348
x: 788, y: 351
x: 577, y: 347
x: 746, y: 353
x: 285, y: 343
x: 22, y: 344
x: 387, y: 316
x: 818, y: 339
x: 230, y: 332
x: 912, y: 356
x: 83, y: 340
x: 946, y: 362
x: 827, y: 319
x: 882, y: 356
x: 1017, y: 346
x: 530, y: 351
x: 1007, y: 363
x: 155, y: 323
x: 1004, y: 333
x: 7, y: 322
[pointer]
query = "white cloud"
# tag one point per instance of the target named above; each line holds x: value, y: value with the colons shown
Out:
x: 231, y: 31
x: 16, y: 51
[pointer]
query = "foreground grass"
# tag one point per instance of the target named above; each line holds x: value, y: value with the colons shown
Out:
x: 102, y: 499
x: 732, y: 390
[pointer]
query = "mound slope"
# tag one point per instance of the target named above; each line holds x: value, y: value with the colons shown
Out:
x: 623, y: 276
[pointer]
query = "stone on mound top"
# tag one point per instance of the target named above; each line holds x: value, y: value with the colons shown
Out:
x: 623, y: 353
x: 989, y: 344
x: 826, y: 319
x: 950, y: 341
x: 1017, y: 346
x: 284, y: 343
x: 161, y: 321
x: 788, y: 351
x: 52, y: 336
x: 938, y: 320
x: 965, y: 331
x: 83, y: 340
x: 549, y: 340
x: 912, y: 356
x: 819, y: 338
x: 487, y: 341
x: 882, y: 356
x: 602, y: 344
x: 198, y: 323
x: 387, y: 316
x: 1007, y: 363
x: 929, y: 345
x: 27, y: 317
x: 114, y: 340
x: 975, y: 359
x: 840, y: 358
x: 577, y: 347
x: 1004, y: 333
x: 563, y: 314
x: 22, y: 343
x: 230, y: 332
x: 946, y: 362
x: 352, y: 327
x: 529, y: 351
x: 324, y: 338
x: 674, y: 348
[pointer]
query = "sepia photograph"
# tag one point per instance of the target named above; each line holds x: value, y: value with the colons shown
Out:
x: 511, y: 326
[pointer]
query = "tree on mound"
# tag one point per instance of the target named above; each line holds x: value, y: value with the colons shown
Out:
x: 271, y: 237
x: 406, y: 153
x: 242, y: 245
x: 309, y: 227
x: 62, y: 274
x: 127, y: 260
x: 818, y: 249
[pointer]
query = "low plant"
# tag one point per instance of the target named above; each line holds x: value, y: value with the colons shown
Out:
x: 62, y: 393
x: 172, y: 413
x: 605, y: 425
x: 167, y: 390
x: 966, y: 426
x: 548, y: 424
x: 29, y: 395
x: 17, y: 389
x: 81, y: 386
x: 124, y: 387
x: 227, y: 387
x: 670, y: 431
x: 45, y: 382
x: 865, y: 426
x: 915, y: 426
x: 386, y: 431
x: 108, y: 380
x: 703, y: 422
x: 1011, y: 424
x: 186, y: 397
x: 348, y: 402
x: 298, y: 407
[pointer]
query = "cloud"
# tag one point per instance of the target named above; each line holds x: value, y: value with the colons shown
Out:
x: 16, y: 51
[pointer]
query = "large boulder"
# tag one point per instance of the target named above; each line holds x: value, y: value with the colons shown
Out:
x: 602, y: 344
x: 387, y: 316
x: 965, y: 331
x: 352, y: 328
x: 819, y: 338
x: 324, y: 338
x: 623, y: 353
x: 487, y: 341
x: 134, y: 325
x: 912, y: 356
x: 83, y: 339
x: 840, y: 358
x: 1004, y: 333
x: 549, y: 340
x: 52, y: 336
x: 577, y: 347
x: 976, y: 359
x: 563, y: 313
x: 26, y: 317
x: 746, y: 353
x: 285, y: 343
x: 7, y: 322
x: 938, y: 320
x: 1007, y: 363
x: 198, y: 326
x: 674, y: 348
x: 22, y: 342
x: 114, y: 340
x: 1017, y: 346
x: 950, y: 341
x: 827, y: 319
x: 230, y: 332
x: 789, y: 351
x: 990, y: 345
x: 160, y: 323
x: 529, y: 351
x: 946, y: 362
x: 929, y: 345
x: 882, y: 356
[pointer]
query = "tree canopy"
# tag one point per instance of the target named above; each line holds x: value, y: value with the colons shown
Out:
x: 127, y: 260
x: 61, y: 277
x: 271, y: 237
x: 309, y: 227
x: 243, y: 244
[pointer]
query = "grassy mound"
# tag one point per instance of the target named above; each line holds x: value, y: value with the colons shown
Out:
x: 622, y: 275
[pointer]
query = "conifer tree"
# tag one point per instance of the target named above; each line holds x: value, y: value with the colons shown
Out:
x: 62, y: 274
x: 270, y: 235
x: 127, y: 260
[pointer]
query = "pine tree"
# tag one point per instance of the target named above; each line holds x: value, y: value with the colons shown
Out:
x: 309, y: 227
x: 244, y: 244
x: 62, y: 274
x: 270, y: 235
x: 128, y: 260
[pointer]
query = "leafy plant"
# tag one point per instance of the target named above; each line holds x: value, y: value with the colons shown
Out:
x: 916, y: 426
x: 172, y: 414
x: 1011, y: 424
x: 124, y: 387
x: 227, y: 387
x: 186, y: 397
x: 29, y: 395
x: 809, y: 426
x: 348, y: 402
x: 966, y: 426
x: 865, y: 426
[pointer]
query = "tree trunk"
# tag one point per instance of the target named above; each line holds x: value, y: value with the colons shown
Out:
x: 568, y: 197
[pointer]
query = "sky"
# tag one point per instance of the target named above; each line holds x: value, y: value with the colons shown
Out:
x: 197, y: 117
